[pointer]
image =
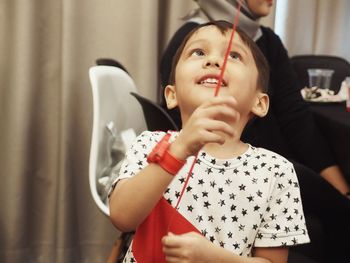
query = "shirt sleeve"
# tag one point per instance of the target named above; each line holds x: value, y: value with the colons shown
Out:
x: 136, y: 157
x: 283, y: 223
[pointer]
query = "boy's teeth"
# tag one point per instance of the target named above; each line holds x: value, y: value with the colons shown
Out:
x: 211, y: 81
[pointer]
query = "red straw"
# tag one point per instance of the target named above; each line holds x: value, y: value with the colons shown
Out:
x: 235, y: 22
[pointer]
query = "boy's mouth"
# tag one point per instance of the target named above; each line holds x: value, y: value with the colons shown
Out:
x: 211, y: 80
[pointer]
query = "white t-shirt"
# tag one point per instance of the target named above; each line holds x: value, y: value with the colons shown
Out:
x: 252, y: 200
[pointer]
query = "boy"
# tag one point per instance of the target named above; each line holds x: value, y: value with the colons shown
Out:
x: 244, y: 200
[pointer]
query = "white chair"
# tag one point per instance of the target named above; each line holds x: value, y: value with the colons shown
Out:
x: 117, y: 119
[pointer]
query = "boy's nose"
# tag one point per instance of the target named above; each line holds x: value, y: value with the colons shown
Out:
x: 212, y: 62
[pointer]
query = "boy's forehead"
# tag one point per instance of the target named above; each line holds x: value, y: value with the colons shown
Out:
x: 210, y: 32
x: 210, y: 29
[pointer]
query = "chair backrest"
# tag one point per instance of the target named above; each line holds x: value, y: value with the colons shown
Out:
x: 156, y: 117
x: 340, y: 66
x: 117, y: 118
x: 110, y: 62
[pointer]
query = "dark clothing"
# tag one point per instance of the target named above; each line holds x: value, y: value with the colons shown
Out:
x: 289, y: 128
x: 327, y: 214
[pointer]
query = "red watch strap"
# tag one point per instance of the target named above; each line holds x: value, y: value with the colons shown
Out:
x: 161, y: 147
x: 170, y: 163
x: 164, y: 158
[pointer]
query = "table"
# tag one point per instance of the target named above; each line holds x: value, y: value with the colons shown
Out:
x: 334, y: 121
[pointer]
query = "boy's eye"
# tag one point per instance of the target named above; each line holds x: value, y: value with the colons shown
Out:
x: 198, y: 52
x: 235, y: 55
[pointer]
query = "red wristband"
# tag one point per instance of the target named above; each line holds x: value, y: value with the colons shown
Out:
x: 164, y: 158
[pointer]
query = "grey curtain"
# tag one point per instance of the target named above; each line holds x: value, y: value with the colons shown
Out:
x: 314, y: 26
x: 46, y: 49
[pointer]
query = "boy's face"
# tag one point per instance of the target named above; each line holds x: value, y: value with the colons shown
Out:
x: 199, y: 66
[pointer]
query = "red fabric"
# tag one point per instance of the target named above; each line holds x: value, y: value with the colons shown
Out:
x: 147, y: 245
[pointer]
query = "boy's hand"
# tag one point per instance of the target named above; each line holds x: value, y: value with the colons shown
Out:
x: 209, y: 123
x: 187, y: 248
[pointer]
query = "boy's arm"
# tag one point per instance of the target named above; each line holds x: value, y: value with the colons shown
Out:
x: 335, y: 177
x: 133, y: 198
x: 192, y: 248
x: 260, y: 255
x: 273, y: 254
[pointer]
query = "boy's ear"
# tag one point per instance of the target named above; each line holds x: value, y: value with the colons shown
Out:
x: 170, y: 97
x: 261, y: 105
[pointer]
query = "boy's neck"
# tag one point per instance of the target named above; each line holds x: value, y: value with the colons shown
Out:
x: 230, y: 149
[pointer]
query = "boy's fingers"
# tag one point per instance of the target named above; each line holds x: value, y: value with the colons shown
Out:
x: 230, y: 101
x: 171, y: 251
x: 170, y: 240
x: 219, y: 126
x: 172, y: 259
x: 222, y: 111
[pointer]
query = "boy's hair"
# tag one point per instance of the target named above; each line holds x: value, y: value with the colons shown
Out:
x: 224, y: 26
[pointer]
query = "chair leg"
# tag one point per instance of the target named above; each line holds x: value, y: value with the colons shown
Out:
x: 113, y: 256
x: 120, y: 247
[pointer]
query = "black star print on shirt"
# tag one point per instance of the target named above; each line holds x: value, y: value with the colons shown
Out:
x: 207, y: 204
x: 242, y: 187
x: 223, y: 196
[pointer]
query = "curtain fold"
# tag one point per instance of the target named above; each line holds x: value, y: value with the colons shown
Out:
x: 314, y: 26
x: 46, y: 49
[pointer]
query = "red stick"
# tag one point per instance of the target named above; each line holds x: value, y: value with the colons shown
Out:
x: 235, y: 22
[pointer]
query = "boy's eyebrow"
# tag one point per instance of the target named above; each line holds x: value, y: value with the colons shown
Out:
x: 244, y: 48
x: 190, y: 43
